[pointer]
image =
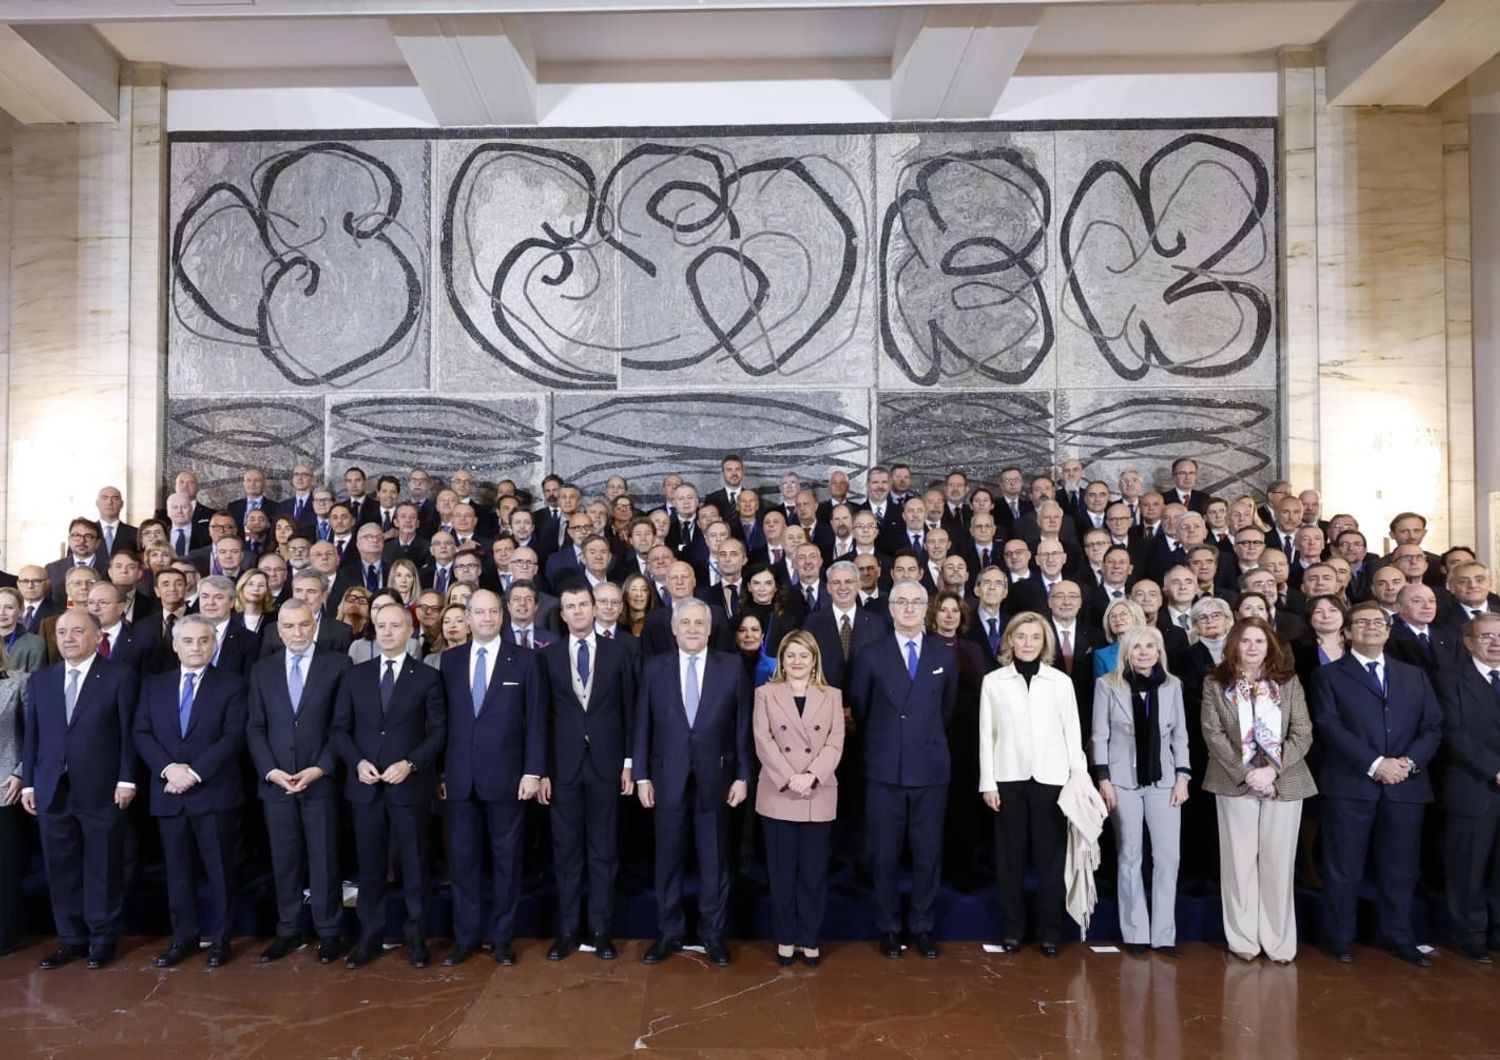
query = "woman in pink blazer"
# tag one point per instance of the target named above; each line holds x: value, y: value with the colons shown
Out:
x: 799, y: 737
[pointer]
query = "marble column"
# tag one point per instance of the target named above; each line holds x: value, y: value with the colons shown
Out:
x: 85, y: 318
x: 6, y: 561
x: 1376, y: 307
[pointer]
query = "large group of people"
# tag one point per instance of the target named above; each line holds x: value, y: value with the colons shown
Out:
x: 419, y: 681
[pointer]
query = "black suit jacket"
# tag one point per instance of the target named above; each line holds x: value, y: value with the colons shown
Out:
x: 282, y: 739
x: 598, y: 736
x: 125, y: 539
x: 417, y: 551
x: 241, y: 647
x: 412, y: 728
x: 95, y: 751
x: 1471, y: 740
x: 332, y: 635
x: 57, y: 573
x: 1445, y: 647
x: 716, y: 748
x: 657, y: 638
x: 868, y: 627
x: 135, y: 645
x: 211, y: 747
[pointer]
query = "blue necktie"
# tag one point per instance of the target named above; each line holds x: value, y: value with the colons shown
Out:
x: 583, y: 662
x: 387, y: 685
x: 1495, y: 681
x: 1374, y: 669
x: 442, y: 580
x: 372, y: 578
x: 324, y: 532
x: 185, y: 703
x: 690, y: 691
x: 911, y: 659
x: 994, y: 635
x: 297, y: 507
x: 294, y: 684
x: 479, y: 683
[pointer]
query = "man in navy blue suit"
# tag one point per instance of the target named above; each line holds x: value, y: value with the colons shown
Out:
x: 497, y: 756
x: 592, y: 682
x: 692, y: 764
x: 1380, y: 725
x: 389, y: 725
x: 78, y: 778
x: 190, y: 730
x: 903, y: 690
x: 292, y: 697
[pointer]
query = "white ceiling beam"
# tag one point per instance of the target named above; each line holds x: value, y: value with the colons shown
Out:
x: 954, y: 62
x: 1410, y: 52
x: 58, y: 74
x: 473, y: 69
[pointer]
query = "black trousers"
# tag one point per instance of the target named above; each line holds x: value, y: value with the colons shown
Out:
x: 1472, y: 854
x: 188, y: 840
x: 13, y: 856
x: 377, y: 827
x: 1029, y: 811
x: 84, y: 851
x: 585, y: 830
x: 797, y: 863
x: 900, y: 816
x: 304, y: 836
x: 710, y: 829
x: 1349, y: 825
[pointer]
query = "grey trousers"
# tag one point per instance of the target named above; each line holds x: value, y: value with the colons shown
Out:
x: 1137, y: 809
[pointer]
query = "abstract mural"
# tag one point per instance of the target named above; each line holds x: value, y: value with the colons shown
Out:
x: 947, y: 295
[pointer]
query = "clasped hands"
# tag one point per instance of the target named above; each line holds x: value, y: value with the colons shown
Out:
x: 1393, y: 770
x: 369, y: 773
x: 295, y: 783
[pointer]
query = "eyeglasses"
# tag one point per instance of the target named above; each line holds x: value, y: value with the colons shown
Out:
x: 1488, y: 638
x: 1368, y: 623
x: 907, y: 603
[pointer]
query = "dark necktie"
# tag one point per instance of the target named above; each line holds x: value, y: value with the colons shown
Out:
x: 916, y: 542
x: 29, y: 618
x: 846, y: 635
x: 372, y: 578
x: 1374, y: 669
x: 180, y: 540
x: 607, y: 634
x: 994, y: 637
x: 734, y: 598
x: 1495, y: 682
x: 687, y: 532
x: 385, y: 520
x: 583, y: 662
x: 297, y: 506
x: 340, y: 545
x: 984, y: 557
x: 1426, y: 642
x: 812, y: 597
x: 104, y: 645
x: 776, y: 554
x: 442, y: 580
x: 523, y: 638
x: 387, y: 685
x: 171, y: 625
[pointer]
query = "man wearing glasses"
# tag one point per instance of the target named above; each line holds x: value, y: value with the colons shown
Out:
x: 84, y: 536
x: 1380, y: 726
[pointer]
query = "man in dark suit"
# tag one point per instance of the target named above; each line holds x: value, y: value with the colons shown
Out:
x: 330, y: 634
x: 1076, y: 643
x: 910, y: 533
x: 1010, y: 505
x: 118, y: 640
x: 83, y: 551
x: 370, y: 566
x: 189, y: 731
x: 496, y: 758
x: 117, y: 536
x: 1185, y: 490
x: 1380, y: 725
x: 903, y: 690
x: 732, y: 475
x: 78, y: 773
x: 692, y: 762
x: 1472, y: 595
x: 1416, y: 639
x: 254, y: 483
x: 407, y: 541
x: 592, y: 683
x: 36, y: 598
x: 1470, y: 697
x: 389, y: 725
x: 988, y: 621
x: 362, y: 505
x: 843, y: 628
x: 292, y: 696
x: 657, y: 636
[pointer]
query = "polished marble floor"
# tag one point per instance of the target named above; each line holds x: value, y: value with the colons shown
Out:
x: 1083, y: 1003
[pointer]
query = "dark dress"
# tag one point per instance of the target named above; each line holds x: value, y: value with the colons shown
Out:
x: 966, y: 829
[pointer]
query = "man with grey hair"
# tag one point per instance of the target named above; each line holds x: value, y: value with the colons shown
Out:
x: 331, y: 634
x: 692, y: 760
x: 903, y: 690
x: 78, y: 778
x: 190, y: 732
x: 235, y: 647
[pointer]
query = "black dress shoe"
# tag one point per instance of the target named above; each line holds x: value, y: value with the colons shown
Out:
x: 219, y: 955
x: 1341, y: 952
x: 811, y: 959
x: 330, y: 950
x: 101, y: 955
x: 1476, y: 953
x: 458, y: 954
x: 504, y: 955
x: 64, y: 954
x: 1168, y: 951
x: 717, y: 952
x: 661, y: 949
x: 363, y: 954
x: 890, y: 945
x: 561, y: 947
x: 1411, y: 955
x: 416, y: 951
x: 604, y: 948
x: 1135, y: 949
x: 177, y: 953
x: 1049, y: 949
x: 1010, y: 945
x: 924, y: 946
x: 280, y: 946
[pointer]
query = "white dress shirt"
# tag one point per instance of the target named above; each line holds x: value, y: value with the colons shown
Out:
x: 1364, y: 664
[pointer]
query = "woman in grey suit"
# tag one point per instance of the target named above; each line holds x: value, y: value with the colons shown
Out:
x: 26, y: 651
x: 1141, y: 762
x: 12, y: 818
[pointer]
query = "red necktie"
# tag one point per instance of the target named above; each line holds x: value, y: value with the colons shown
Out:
x: 104, y: 645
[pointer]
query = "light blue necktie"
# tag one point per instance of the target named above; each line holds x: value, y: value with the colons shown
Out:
x: 690, y: 691
x: 479, y: 683
x: 294, y: 684
x: 185, y: 702
x: 911, y: 659
x: 70, y: 696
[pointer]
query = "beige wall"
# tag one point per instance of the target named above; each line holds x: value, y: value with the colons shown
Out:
x: 1376, y: 306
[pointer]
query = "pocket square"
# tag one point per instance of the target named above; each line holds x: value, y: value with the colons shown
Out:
x: 937, y: 671
x: 509, y: 684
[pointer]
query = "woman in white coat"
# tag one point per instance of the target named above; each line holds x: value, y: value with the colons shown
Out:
x: 1029, y: 744
x: 1140, y: 750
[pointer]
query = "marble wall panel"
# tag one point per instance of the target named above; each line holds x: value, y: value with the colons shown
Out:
x: 501, y: 437
x: 298, y: 267
x: 220, y: 437
x: 976, y: 432
x: 646, y: 436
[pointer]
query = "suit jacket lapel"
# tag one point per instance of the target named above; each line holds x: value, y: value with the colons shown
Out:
x: 195, y: 713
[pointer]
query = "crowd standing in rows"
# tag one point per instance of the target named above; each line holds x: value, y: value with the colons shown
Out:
x: 1245, y: 682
